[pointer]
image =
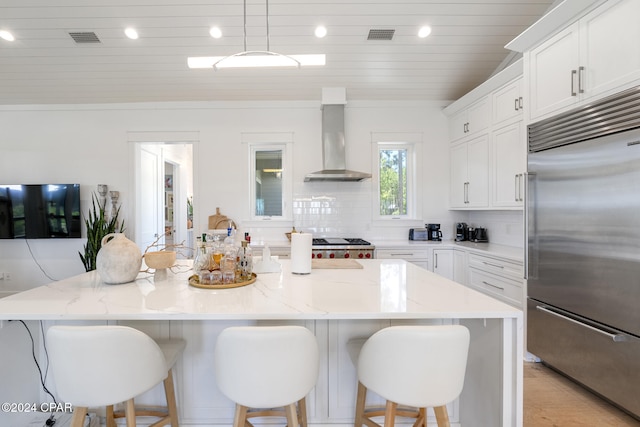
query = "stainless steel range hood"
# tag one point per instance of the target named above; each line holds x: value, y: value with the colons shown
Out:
x: 333, y: 152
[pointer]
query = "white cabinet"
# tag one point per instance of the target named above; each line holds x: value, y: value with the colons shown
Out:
x: 460, y: 267
x: 469, y: 167
x: 470, y: 121
x: 508, y: 166
x: 508, y: 102
x: 416, y: 256
x: 443, y: 262
x: 593, y: 57
x: 498, y: 277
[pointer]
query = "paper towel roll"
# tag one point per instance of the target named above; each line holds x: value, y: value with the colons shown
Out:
x: 301, y: 253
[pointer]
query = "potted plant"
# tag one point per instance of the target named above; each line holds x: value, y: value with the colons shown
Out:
x: 98, y: 226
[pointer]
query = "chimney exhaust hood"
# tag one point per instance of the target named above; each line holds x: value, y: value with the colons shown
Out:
x: 333, y: 149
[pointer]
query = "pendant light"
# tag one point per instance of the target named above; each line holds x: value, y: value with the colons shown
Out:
x: 255, y: 58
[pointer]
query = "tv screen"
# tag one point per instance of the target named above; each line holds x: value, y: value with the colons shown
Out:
x: 40, y: 211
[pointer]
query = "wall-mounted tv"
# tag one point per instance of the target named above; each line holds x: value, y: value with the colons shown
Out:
x: 43, y: 211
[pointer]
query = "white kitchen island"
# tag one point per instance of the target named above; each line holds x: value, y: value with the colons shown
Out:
x: 337, y: 304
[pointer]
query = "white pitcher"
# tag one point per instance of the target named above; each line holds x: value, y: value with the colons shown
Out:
x: 118, y: 260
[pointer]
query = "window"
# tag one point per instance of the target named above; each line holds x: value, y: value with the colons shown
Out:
x: 270, y: 181
x: 395, y: 181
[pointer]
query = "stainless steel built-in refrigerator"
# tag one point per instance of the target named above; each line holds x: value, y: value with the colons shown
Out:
x: 583, y: 250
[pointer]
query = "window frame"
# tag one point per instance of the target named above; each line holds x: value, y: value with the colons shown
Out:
x: 287, y: 180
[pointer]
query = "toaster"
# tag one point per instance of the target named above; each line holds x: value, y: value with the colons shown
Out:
x: 418, y: 234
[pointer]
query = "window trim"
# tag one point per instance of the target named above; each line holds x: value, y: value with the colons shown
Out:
x: 287, y: 180
x: 413, y: 198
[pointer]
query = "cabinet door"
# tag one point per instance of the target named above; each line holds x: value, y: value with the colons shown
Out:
x: 553, y: 68
x: 609, y: 47
x: 458, y: 169
x: 478, y: 172
x: 460, y: 267
x: 508, y: 102
x: 443, y: 262
x: 478, y: 117
x: 458, y: 125
x: 508, y: 166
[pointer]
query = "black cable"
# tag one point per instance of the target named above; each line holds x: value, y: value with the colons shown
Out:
x: 37, y: 263
x: 33, y: 352
x: 46, y: 353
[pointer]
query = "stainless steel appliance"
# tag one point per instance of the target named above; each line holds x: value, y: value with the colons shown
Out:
x: 434, y: 232
x: 462, y: 230
x: 338, y: 247
x: 418, y: 234
x: 583, y: 249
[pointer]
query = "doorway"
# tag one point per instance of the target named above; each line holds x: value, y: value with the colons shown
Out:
x: 163, y: 193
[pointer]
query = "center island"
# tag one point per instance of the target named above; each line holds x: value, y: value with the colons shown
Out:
x: 340, y: 305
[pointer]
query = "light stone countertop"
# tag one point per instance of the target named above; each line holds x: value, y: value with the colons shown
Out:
x: 382, y: 289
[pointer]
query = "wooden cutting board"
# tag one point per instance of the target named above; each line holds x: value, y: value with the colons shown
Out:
x: 219, y: 221
x: 335, y: 264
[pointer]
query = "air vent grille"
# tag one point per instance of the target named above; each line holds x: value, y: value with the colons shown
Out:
x: 84, y: 37
x: 380, y: 34
x: 616, y: 113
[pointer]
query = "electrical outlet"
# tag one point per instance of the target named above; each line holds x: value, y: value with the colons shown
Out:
x: 7, y: 277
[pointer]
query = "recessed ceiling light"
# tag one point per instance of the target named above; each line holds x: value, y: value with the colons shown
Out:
x: 320, y: 31
x: 131, y: 33
x: 215, y: 32
x: 424, y: 31
x: 6, y: 35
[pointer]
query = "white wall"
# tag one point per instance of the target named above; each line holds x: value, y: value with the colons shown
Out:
x: 87, y: 144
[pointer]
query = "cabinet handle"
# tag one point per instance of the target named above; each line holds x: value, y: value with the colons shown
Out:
x: 492, y: 285
x: 401, y: 254
x: 493, y: 265
x: 520, y: 103
x: 515, y: 104
x: 580, y: 76
x: 436, y: 261
x: 516, y: 187
x: 573, y: 75
x: 466, y: 192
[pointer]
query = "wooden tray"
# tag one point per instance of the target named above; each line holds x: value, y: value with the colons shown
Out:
x: 193, y: 281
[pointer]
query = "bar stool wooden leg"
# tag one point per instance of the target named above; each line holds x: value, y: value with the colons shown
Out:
x: 292, y: 415
x: 240, y: 417
x: 442, y: 416
x: 130, y: 412
x: 302, y: 412
x: 360, y: 401
x: 170, y: 394
x: 390, y: 414
x: 111, y: 419
x: 79, y: 413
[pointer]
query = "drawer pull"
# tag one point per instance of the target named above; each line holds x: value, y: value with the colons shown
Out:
x: 614, y: 337
x: 492, y: 285
x: 493, y: 265
x: 401, y: 254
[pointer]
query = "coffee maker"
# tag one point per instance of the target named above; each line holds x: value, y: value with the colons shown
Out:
x: 462, y: 231
x: 433, y: 232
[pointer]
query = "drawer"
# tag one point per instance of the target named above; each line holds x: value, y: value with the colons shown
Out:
x: 499, y: 266
x: 408, y: 254
x: 505, y: 289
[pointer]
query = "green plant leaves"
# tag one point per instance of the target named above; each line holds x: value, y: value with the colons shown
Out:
x: 98, y: 226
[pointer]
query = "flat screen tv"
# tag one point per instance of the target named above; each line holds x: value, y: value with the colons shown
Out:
x: 40, y: 211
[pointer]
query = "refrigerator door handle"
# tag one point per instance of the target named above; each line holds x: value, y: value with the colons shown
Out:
x: 616, y: 337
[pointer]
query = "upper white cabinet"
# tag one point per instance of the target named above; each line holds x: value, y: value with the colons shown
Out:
x: 470, y: 121
x: 593, y: 57
x: 508, y: 166
x: 469, y: 162
x: 508, y: 102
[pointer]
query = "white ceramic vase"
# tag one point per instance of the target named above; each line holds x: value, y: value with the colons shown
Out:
x: 118, y: 260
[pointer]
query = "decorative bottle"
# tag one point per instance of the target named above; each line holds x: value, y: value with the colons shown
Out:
x: 245, y: 261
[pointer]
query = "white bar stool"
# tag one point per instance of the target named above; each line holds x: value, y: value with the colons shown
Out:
x: 266, y: 367
x: 105, y: 365
x: 416, y: 366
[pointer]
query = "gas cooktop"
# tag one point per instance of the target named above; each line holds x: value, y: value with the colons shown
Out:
x: 329, y: 241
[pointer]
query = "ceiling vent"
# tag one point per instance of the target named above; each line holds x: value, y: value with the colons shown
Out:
x: 85, y: 37
x: 380, y: 34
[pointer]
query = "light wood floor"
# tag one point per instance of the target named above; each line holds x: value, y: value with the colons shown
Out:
x: 551, y: 399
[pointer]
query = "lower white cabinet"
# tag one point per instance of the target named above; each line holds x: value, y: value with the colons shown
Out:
x: 498, y: 277
x: 443, y: 262
x: 460, y: 267
x: 416, y: 256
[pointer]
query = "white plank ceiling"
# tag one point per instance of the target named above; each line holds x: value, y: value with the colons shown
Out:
x: 45, y: 65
